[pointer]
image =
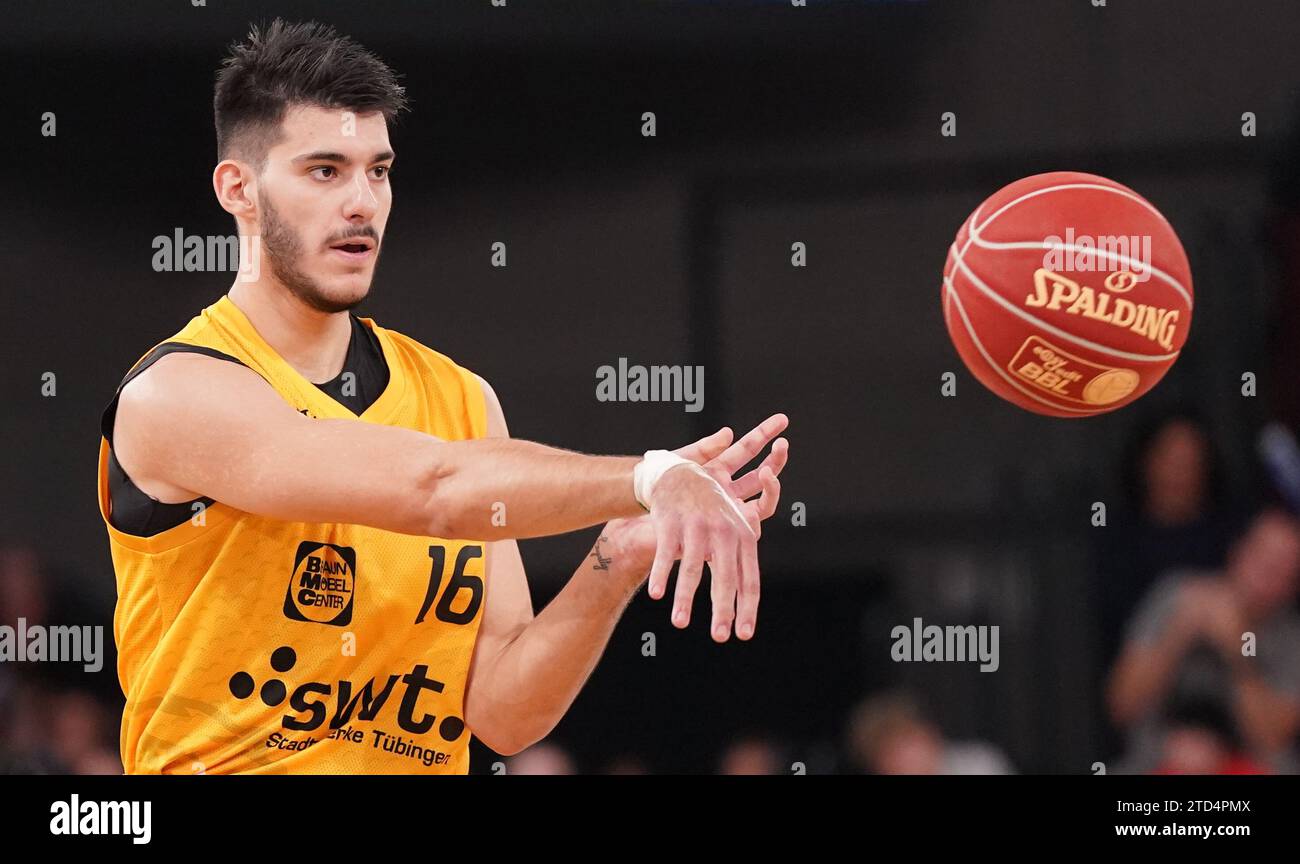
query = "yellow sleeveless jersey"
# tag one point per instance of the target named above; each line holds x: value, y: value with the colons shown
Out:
x: 253, y: 645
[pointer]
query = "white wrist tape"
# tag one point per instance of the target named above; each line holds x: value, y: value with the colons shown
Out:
x: 646, y: 474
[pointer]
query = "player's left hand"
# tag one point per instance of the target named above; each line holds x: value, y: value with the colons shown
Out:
x: 633, y: 541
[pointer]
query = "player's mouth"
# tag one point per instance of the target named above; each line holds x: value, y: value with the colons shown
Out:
x: 354, y: 248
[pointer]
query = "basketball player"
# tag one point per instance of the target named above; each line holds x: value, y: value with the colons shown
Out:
x: 313, y: 518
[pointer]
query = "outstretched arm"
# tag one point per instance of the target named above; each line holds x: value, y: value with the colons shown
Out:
x: 528, y: 670
x: 192, y: 425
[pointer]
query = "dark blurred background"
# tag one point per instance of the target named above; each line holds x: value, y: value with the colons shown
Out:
x: 775, y: 124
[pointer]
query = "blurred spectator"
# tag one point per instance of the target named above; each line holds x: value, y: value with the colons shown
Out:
x: 78, y: 734
x: 22, y: 590
x: 1204, y: 746
x: 542, y: 758
x: 1225, y: 643
x: 50, y: 719
x: 752, y: 754
x: 1174, y: 518
x: 626, y: 764
x: 25, y: 746
x: 888, y: 734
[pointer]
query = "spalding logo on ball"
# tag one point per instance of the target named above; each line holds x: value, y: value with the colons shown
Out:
x: 1067, y: 294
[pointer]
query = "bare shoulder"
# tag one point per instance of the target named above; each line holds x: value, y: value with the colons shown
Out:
x: 184, y: 408
x: 182, y: 379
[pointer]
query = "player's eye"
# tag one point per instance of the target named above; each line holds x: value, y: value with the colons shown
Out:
x: 319, y: 168
x: 381, y: 171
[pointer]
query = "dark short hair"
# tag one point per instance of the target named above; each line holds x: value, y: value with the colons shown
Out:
x: 288, y: 64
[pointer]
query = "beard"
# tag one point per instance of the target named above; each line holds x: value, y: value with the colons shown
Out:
x: 284, y: 250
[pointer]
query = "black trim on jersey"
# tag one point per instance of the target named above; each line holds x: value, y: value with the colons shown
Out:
x: 365, y: 360
x: 110, y: 413
x: 134, y: 511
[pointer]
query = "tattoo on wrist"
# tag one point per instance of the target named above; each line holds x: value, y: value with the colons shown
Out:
x: 602, y: 561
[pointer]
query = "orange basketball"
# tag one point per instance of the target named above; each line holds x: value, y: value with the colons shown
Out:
x: 1067, y: 294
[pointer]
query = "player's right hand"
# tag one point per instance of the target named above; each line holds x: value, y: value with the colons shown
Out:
x: 696, y: 520
x: 702, y: 515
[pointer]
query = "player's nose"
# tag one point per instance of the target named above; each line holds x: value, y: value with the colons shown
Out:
x: 361, y: 201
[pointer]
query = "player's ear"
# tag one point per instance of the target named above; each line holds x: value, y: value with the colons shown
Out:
x: 233, y: 182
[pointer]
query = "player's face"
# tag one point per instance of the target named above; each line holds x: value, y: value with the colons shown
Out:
x: 323, y: 201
